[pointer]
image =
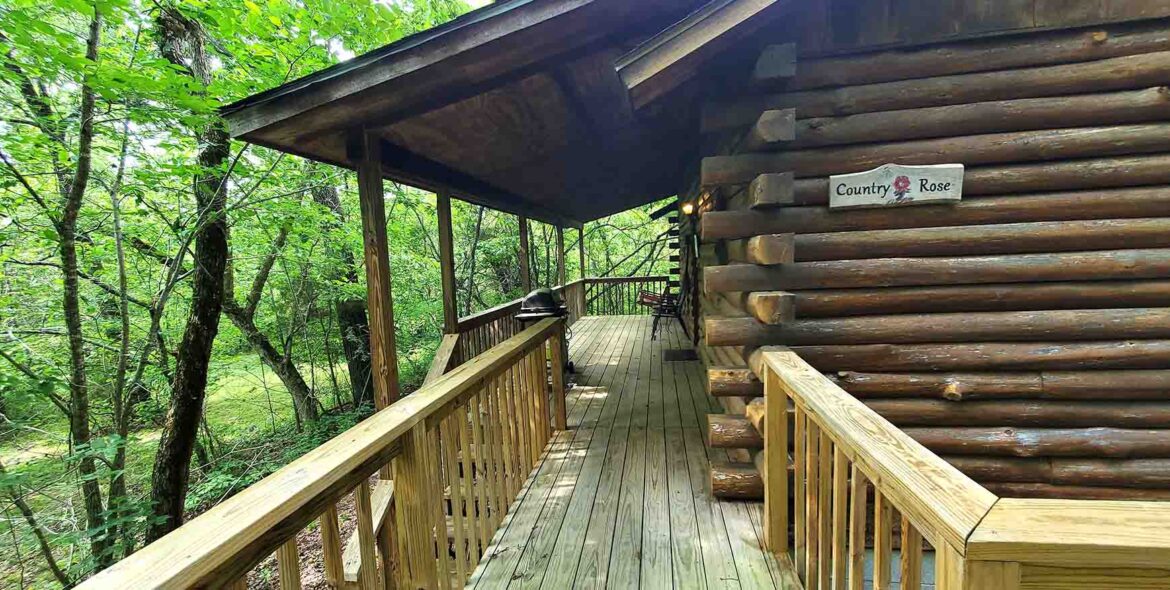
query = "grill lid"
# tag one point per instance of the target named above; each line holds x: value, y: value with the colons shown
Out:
x: 541, y: 303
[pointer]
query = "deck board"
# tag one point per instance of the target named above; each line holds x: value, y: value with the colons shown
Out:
x: 622, y: 499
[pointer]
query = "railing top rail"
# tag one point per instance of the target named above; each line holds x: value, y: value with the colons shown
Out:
x: 606, y: 280
x: 251, y: 524
x: 505, y: 309
x: 1073, y: 533
x: 944, y: 504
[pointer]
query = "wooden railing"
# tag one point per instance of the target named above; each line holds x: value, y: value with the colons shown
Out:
x: 480, y: 331
x: 459, y: 449
x: 590, y: 296
x: 841, y: 453
x: 619, y: 295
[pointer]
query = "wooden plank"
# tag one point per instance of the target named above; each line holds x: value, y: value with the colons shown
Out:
x: 776, y: 472
x: 883, y: 520
x: 447, y: 263
x: 911, y: 550
x: 331, y: 546
x: 288, y: 564
x: 858, y: 501
x: 380, y: 501
x: 840, y: 514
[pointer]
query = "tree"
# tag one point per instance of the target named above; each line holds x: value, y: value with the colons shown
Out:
x: 181, y: 42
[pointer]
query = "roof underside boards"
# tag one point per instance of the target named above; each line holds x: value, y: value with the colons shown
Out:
x: 517, y: 106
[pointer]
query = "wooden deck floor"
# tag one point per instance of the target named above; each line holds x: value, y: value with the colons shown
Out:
x: 622, y: 499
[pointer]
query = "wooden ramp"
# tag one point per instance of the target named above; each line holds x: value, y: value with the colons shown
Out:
x: 622, y: 499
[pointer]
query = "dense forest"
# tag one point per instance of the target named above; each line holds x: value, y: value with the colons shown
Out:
x: 117, y: 186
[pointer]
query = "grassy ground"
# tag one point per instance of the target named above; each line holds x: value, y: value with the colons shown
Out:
x: 248, y: 411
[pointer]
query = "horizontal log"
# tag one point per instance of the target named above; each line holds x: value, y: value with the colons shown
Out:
x: 1003, y: 326
x: 1001, y: 53
x: 1033, y: 413
x: 970, y: 150
x: 725, y: 431
x: 766, y: 249
x: 740, y: 481
x: 1044, y: 442
x: 1137, y: 473
x: 771, y: 190
x: 1065, y: 175
x: 733, y: 381
x: 1049, y: 385
x: 1118, y: 73
x: 965, y: 270
x: 990, y: 356
x: 993, y: 297
x: 1008, y: 238
x: 1002, y: 116
x: 1040, y: 490
x: 772, y: 128
x: 1123, y: 203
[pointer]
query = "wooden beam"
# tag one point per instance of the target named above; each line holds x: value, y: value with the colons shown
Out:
x: 776, y: 63
x: 407, y: 167
x: 990, y: 356
x: 525, y: 273
x: 560, y: 255
x: 365, y: 153
x: 673, y: 56
x: 581, y: 251
x: 447, y: 264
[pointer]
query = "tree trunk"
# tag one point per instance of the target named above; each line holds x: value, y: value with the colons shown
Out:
x: 173, y: 461
x: 303, y: 400
x: 351, y: 313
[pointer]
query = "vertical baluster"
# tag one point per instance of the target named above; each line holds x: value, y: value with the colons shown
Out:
x: 800, y: 506
x: 825, y: 505
x: 512, y: 432
x: 542, y: 392
x: 840, y: 512
x: 911, y: 556
x: 438, y: 514
x: 857, y: 503
x: 467, y: 506
x: 331, y: 547
x: 448, y: 434
x: 882, y: 539
x: 527, y: 393
x: 495, y: 446
x: 479, y: 472
x: 288, y: 564
x: 364, y: 513
x: 812, y: 482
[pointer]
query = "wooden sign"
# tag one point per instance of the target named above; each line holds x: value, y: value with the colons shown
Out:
x: 894, y: 185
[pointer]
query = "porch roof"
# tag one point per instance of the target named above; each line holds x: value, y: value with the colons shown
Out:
x: 518, y: 106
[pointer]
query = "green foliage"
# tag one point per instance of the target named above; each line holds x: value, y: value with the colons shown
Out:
x: 144, y: 160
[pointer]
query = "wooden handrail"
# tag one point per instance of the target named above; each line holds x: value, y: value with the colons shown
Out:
x: 490, y: 314
x: 944, y: 503
x: 981, y: 541
x: 218, y: 547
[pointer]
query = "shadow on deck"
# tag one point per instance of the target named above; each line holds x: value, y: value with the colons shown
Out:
x: 622, y: 499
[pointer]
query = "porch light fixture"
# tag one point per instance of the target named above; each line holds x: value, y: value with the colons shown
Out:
x: 688, y: 208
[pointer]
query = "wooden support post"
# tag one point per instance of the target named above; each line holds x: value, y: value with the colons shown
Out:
x: 447, y: 263
x: 525, y: 274
x: 776, y: 461
x: 365, y: 152
x: 557, y: 356
x: 581, y: 250
x: 412, y: 514
x: 561, y: 274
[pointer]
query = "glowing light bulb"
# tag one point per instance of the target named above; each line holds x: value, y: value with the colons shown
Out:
x: 688, y: 208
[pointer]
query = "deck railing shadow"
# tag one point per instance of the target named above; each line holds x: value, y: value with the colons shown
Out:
x: 848, y: 460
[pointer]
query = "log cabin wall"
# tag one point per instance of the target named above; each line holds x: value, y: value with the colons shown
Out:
x: 1024, y: 333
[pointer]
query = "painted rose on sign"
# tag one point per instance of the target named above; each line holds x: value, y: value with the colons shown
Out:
x: 901, y: 187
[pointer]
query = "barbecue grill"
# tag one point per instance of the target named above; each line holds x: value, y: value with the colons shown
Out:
x: 544, y: 303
